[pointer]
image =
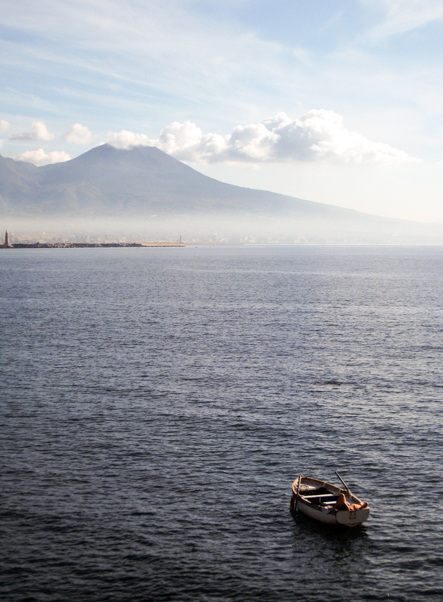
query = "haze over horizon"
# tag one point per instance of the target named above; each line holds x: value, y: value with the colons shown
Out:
x: 337, y: 102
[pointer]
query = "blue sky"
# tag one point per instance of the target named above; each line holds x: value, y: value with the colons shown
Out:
x: 335, y: 101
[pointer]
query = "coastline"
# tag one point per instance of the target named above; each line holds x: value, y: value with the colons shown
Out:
x: 83, y: 245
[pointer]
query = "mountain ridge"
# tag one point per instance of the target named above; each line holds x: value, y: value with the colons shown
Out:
x: 137, y: 185
x: 104, y: 170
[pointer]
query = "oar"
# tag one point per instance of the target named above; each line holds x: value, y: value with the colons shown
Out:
x: 347, y: 488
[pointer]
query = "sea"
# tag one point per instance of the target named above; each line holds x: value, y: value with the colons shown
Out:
x: 158, y: 403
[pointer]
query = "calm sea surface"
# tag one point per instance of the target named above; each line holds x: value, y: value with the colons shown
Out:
x: 156, y: 405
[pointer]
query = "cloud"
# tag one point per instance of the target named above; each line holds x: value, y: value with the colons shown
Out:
x: 39, y: 131
x: 319, y: 135
x: 4, y: 125
x: 126, y: 140
x: 39, y: 157
x: 405, y: 15
x: 186, y: 142
x: 79, y: 134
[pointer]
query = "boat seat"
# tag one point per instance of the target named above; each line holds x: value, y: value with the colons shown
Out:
x: 308, y: 497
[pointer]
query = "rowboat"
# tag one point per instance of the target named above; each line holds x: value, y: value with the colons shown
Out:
x: 327, y: 503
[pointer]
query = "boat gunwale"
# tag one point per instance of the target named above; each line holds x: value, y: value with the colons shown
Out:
x: 319, y: 483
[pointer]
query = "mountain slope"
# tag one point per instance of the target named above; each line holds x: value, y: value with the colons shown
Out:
x: 139, y: 185
x: 143, y: 180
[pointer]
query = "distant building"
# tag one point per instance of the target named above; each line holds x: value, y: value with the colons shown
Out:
x: 6, y: 239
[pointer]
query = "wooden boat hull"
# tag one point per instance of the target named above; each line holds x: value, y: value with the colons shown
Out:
x: 324, y: 513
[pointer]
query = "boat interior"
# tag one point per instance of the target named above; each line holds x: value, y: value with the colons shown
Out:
x: 319, y: 496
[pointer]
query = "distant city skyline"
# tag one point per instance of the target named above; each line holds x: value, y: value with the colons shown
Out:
x: 334, y: 102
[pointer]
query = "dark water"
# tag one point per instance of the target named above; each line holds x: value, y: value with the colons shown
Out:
x: 157, y: 404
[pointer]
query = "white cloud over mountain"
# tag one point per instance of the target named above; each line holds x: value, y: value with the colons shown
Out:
x: 4, y: 125
x: 38, y: 131
x: 127, y: 140
x: 40, y: 157
x: 79, y: 134
x: 318, y: 135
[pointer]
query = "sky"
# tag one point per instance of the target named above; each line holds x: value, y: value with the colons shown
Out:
x: 333, y: 101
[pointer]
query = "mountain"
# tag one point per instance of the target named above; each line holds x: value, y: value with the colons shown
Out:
x: 138, y: 184
x: 140, y: 181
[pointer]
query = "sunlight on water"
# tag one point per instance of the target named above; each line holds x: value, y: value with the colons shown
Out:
x: 160, y: 402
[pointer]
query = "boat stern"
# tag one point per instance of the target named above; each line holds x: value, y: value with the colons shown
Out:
x: 352, y: 518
